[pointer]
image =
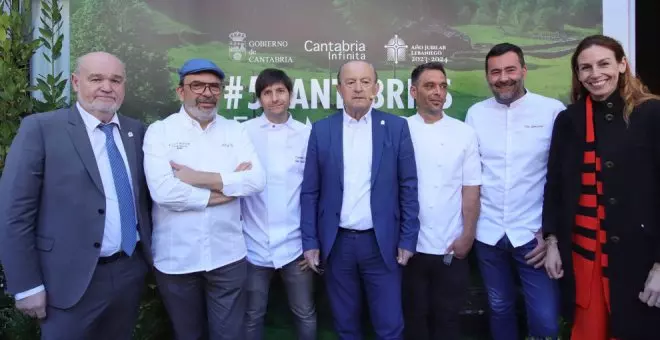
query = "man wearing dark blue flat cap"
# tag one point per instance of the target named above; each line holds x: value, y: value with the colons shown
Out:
x: 196, y: 164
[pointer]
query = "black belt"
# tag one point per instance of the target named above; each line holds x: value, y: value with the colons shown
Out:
x: 116, y: 256
x: 354, y: 231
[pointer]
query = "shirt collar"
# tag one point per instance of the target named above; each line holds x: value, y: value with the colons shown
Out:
x: 420, y: 119
x: 264, y: 122
x: 92, y: 122
x: 350, y: 120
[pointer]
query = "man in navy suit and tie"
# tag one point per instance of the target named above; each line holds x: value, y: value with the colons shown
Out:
x: 359, y: 206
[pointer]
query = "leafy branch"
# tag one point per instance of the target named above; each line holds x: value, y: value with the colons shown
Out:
x: 16, y: 49
x: 51, y: 85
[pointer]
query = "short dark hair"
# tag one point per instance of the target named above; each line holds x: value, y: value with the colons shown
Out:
x: 503, y: 48
x: 272, y: 76
x: 433, y: 65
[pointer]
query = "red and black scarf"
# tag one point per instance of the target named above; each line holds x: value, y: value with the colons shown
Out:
x: 589, y: 234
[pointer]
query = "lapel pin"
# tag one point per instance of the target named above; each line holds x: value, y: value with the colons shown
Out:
x: 130, y: 134
x: 382, y: 122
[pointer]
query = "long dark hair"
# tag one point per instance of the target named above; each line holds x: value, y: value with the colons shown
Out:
x: 632, y: 90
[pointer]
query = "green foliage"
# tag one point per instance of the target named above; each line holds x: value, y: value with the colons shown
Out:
x: 16, y: 49
x: 125, y: 29
x: 486, y: 13
x: 153, y: 322
x: 535, y: 15
x: 51, y: 85
x: 585, y: 13
x: 521, y: 16
x: 465, y: 14
x: 13, y: 324
x: 363, y: 15
x: 548, y: 19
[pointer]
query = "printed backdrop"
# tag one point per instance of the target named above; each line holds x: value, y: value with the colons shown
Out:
x: 309, y: 39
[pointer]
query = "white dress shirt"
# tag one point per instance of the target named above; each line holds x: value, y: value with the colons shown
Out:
x: 357, y: 151
x: 514, y: 142
x: 112, y: 231
x: 272, y: 218
x: 447, y: 157
x: 188, y: 235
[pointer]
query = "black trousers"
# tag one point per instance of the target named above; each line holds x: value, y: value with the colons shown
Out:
x: 433, y: 295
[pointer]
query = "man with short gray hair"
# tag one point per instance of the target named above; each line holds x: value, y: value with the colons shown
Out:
x: 75, y: 231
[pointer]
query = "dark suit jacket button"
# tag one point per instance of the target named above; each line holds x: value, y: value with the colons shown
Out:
x: 612, y: 200
x: 610, y: 105
x: 101, y: 211
x: 97, y: 245
x: 609, y: 164
x: 614, y: 239
x: 609, y: 117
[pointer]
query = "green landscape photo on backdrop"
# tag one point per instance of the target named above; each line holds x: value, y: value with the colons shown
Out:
x: 154, y: 38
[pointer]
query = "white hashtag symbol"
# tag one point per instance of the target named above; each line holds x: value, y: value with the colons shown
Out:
x: 233, y: 92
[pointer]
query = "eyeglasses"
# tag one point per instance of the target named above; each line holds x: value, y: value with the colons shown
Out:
x: 199, y: 87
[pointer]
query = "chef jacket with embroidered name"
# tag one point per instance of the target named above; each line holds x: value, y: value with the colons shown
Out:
x: 447, y: 158
x: 188, y: 235
x: 514, y: 142
x: 272, y: 218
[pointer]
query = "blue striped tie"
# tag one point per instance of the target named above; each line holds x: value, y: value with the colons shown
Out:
x: 124, y: 191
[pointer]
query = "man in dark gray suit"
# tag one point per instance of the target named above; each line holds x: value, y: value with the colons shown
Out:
x: 75, y: 229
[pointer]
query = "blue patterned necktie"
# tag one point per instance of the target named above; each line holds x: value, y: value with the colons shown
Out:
x: 124, y: 191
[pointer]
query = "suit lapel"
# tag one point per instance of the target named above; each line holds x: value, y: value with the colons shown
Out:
x: 128, y: 139
x: 83, y: 146
x: 337, y: 144
x: 378, y: 138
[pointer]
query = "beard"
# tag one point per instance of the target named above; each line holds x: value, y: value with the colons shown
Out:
x: 517, y: 89
x: 203, y: 115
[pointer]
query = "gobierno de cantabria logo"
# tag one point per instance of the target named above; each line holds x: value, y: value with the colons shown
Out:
x: 237, y: 49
